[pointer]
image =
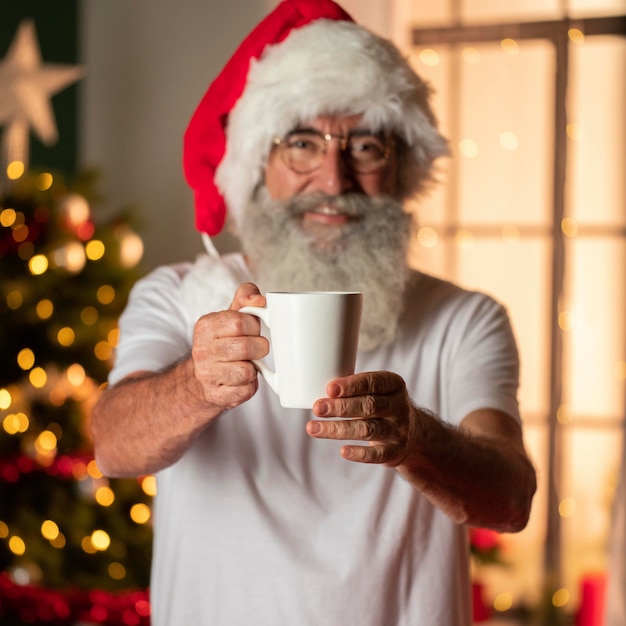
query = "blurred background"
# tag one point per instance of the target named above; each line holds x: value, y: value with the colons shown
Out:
x: 531, y: 208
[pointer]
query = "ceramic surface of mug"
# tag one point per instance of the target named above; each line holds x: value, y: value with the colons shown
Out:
x: 313, y: 339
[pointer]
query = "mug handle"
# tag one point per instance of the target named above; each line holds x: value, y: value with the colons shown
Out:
x: 265, y: 371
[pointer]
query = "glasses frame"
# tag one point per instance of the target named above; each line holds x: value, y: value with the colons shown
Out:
x: 343, y: 140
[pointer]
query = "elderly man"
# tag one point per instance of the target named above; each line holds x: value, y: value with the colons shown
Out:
x: 307, y: 144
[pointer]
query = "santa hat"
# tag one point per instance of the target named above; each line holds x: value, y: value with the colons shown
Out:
x: 307, y: 58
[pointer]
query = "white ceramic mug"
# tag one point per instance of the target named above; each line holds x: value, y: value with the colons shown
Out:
x: 313, y: 339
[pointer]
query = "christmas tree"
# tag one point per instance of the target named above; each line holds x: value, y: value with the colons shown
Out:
x: 74, y: 546
x: 70, y: 539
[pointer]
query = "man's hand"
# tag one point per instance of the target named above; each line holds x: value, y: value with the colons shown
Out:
x: 224, y: 344
x: 477, y: 473
x: 381, y: 412
x: 148, y: 420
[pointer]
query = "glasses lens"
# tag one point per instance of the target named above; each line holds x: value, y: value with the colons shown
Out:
x: 366, y: 153
x: 303, y: 151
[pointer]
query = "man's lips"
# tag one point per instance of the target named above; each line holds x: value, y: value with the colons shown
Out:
x: 327, y: 215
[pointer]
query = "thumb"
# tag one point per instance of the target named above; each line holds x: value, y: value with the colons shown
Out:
x: 247, y: 294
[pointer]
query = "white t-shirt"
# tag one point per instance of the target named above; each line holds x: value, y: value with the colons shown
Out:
x: 260, y: 524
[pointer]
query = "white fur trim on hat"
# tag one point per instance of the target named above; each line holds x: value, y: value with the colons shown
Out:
x: 324, y: 68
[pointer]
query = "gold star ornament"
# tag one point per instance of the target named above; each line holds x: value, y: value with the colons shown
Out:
x: 26, y: 86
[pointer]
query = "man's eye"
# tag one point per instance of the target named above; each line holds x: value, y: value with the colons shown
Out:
x: 366, y: 147
x: 300, y: 142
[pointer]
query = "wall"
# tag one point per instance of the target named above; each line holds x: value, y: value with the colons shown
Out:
x: 148, y: 64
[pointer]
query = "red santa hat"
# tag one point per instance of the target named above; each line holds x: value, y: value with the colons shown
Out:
x: 307, y: 58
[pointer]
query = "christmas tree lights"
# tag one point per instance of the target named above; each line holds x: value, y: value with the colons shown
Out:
x: 74, y: 545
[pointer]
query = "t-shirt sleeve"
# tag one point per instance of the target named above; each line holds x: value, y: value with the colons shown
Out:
x: 484, y: 360
x: 154, y: 330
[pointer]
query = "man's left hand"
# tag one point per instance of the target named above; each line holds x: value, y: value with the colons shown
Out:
x: 380, y: 412
x: 477, y: 473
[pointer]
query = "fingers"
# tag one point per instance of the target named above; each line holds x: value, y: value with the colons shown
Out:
x: 369, y: 394
x: 359, y: 406
x: 223, y: 364
x: 227, y: 385
x: 374, y: 383
x: 390, y: 455
x: 229, y: 336
x: 380, y: 412
x: 387, y: 439
x: 373, y: 429
x: 247, y: 294
x: 224, y: 345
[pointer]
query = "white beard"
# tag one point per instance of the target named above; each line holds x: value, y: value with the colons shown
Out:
x: 368, y: 254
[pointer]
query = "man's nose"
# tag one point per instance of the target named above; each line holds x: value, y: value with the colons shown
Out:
x: 333, y: 176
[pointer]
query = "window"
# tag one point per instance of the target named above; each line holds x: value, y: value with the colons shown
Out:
x: 532, y: 209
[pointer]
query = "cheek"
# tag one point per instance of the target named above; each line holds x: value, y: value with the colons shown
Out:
x: 389, y: 178
x: 280, y: 181
x: 383, y: 183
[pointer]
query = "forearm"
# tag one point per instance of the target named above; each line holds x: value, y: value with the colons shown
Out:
x: 146, y: 422
x: 476, y: 480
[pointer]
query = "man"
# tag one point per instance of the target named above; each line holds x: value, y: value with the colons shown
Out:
x: 308, y: 143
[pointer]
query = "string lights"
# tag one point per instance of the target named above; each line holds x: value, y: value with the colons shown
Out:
x: 64, y: 279
x: 495, y: 151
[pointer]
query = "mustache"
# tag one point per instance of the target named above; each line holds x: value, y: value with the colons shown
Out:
x: 351, y: 204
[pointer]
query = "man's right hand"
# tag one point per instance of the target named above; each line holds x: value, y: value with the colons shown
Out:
x: 224, y: 344
x: 148, y: 420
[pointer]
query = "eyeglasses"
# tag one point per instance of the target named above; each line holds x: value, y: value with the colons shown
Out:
x: 304, y: 150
